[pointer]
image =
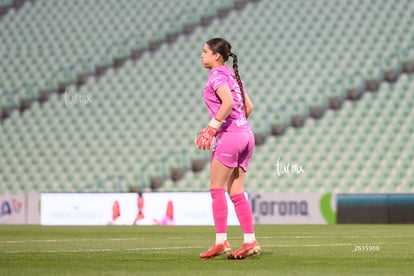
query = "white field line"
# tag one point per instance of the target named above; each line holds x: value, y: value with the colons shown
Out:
x: 72, y: 240
x: 182, y: 238
x: 101, y: 250
x: 338, y: 237
x: 174, y: 248
x: 160, y: 248
x: 263, y: 245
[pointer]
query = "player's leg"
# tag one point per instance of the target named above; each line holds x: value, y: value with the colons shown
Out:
x: 219, y: 177
x: 241, y: 205
x: 250, y: 246
x: 235, y: 188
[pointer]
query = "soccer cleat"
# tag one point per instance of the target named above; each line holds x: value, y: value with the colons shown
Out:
x: 217, y: 249
x: 247, y: 250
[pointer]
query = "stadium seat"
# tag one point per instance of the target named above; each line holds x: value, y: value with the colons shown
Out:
x: 148, y: 108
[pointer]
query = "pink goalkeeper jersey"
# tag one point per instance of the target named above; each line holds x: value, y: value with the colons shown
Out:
x: 224, y: 76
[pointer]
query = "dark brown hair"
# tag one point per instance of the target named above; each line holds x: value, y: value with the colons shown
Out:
x: 223, y: 47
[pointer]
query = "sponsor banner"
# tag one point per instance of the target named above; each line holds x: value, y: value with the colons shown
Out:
x: 176, y: 208
x: 12, y: 209
x: 300, y: 208
x: 33, y: 208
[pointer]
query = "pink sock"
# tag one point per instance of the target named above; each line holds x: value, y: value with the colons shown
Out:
x: 220, y: 210
x: 243, y: 212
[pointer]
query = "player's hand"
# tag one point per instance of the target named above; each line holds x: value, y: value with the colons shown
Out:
x: 205, y: 138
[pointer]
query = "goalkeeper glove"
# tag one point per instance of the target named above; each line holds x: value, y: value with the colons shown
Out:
x: 206, y: 136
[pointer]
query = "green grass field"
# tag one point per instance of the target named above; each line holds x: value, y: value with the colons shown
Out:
x: 173, y: 250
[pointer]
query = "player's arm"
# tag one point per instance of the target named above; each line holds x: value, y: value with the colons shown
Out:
x: 249, y: 105
x: 204, y: 139
x: 227, y: 103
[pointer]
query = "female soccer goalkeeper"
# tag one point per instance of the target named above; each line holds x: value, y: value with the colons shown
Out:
x: 229, y: 107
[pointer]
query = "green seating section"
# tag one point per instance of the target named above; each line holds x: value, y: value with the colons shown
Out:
x: 47, y: 42
x: 365, y: 147
x: 6, y: 3
x: 140, y: 121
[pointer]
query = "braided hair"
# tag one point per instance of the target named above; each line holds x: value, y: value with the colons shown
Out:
x: 223, y: 47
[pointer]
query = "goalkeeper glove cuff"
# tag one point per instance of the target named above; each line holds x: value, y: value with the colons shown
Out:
x: 214, y: 123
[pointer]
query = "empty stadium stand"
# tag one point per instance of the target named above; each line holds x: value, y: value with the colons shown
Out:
x: 332, y: 82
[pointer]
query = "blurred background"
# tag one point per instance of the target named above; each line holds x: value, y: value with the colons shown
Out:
x: 106, y: 96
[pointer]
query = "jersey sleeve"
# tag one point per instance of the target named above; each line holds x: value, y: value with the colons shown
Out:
x: 217, y: 79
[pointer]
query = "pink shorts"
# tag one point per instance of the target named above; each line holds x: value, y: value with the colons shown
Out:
x: 234, y: 149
